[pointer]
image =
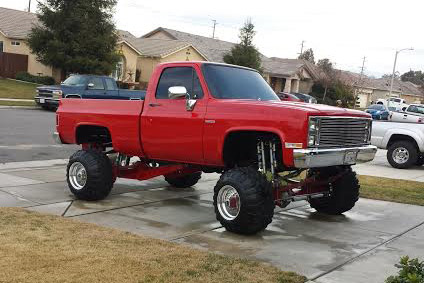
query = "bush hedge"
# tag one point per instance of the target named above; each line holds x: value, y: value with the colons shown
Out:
x: 411, y: 271
x: 44, y: 80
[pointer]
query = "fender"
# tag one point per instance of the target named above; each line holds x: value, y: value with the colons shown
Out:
x: 404, y: 132
x: 276, y: 131
x: 90, y: 124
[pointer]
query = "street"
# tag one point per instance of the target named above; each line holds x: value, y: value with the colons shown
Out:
x: 27, y: 135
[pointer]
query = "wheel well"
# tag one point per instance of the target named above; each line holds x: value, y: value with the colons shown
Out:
x: 240, y: 148
x: 396, y: 138
x: 93, y: 134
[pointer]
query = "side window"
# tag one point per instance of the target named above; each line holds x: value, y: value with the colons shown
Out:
x: 97, y: 82
x: 179, y: 76
x: 110, y: 84
x: 412, y: 109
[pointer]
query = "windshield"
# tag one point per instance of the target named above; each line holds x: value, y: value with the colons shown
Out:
x: 228, y: 82
x: 376, y: 107
x: 75, y: 80
x: 416, y: 109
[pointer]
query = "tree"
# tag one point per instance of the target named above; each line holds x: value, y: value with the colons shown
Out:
x: 245, y: 53
x: 307, y: 55
x: 330, y: 88
x: 389, y: 76
x: 416, y: 77
x: 76, y: 36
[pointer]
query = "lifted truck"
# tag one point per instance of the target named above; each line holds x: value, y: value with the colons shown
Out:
x: 209, y: 117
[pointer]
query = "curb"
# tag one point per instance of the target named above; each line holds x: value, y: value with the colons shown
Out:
x: 20, y: 107
x: 32, y: 164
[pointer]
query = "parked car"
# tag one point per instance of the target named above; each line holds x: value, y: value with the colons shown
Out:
x: 306, y: 97
x: 378, y: 111
x: 211, y: 117
x: 404, y: 142
x: 284, y: 96
x: 414, y: 113
x: 398, y: 103
x: 84, y: 86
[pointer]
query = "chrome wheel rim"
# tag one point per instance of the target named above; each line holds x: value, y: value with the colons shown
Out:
x: 77, y: 175
x: 228, y: 202
x: 400, y: 155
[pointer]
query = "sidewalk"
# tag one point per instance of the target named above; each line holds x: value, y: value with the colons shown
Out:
x: 380, y: 167
x: 360, y: 246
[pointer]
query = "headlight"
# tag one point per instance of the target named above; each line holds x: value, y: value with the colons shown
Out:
x: 57, y: 93
x: 313, y: 131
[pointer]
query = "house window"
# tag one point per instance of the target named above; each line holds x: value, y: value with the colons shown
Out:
x: 15, y: 43
x: 118, y: 73
x: 1, y: 46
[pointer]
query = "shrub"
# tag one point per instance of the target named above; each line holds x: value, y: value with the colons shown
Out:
x: 411, y: 271
x: 44, y: 80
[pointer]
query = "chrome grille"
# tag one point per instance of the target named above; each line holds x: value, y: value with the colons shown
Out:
x: 343, y: 132
x: 45, y: 93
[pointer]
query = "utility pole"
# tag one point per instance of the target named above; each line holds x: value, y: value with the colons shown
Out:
x: 394, y: 71
x: 29, y: 6
x: 301, y: 47
x: 358, y: 84
x: 214, y: 25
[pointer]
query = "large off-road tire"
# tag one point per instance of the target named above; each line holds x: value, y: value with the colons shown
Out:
x: 402, y: 154
x: 243, y: 201
x: 184, y: 181
x: 344, y: 192
x: 89, y: 175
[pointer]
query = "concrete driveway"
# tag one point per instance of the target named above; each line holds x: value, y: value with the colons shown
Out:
x: 360, y: 246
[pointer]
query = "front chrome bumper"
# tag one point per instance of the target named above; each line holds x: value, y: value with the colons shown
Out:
x: 57, y: 138
x: 315, y: 157
x: 46, y: 100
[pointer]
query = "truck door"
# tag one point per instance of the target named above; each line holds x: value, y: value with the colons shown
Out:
x: 95, y: 88
x: 168, y: 130
x: 112, y: 91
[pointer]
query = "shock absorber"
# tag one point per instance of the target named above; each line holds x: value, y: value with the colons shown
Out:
x: 266, y: 154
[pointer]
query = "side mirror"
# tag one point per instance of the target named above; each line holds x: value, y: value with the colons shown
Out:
x: 90, y: 85
x: 175, y: 92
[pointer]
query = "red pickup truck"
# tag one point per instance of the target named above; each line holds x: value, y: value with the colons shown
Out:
x: 209, y: 117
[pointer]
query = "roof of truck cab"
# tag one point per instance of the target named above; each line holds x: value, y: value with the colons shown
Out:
x: 207, y: 63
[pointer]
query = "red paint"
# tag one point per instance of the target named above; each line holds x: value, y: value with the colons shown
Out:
x: 171, y: 133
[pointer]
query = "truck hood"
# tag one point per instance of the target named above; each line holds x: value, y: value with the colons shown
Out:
x: 64, y: 88
x: 311, y: 109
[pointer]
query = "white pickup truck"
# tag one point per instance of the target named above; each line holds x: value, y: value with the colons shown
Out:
x: 404, y: 142
x: 413, y: 114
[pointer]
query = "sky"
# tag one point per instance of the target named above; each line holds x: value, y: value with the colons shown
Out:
x: 343, y: 31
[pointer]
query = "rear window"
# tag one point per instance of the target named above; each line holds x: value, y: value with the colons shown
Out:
x: 377, y: 107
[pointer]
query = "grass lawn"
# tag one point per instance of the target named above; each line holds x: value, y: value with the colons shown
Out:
x: 44, y: 248
x: 17, y: 103
x: 14, y: 89
x: 392, y: 190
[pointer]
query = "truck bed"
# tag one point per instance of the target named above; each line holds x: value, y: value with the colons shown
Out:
x: 121, y: 117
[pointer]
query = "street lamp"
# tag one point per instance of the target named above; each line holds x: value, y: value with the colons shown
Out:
x: 394, y: 71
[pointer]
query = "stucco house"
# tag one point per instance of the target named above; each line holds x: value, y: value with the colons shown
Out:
x: 288, y: 75
x: 14, y: 28
x: 369, y: 90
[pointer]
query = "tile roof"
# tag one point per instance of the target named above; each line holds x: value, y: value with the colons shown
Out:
x: 213, y: 49
x: 379, y: 84
x: 156, y: 47
x: 16, y: 24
